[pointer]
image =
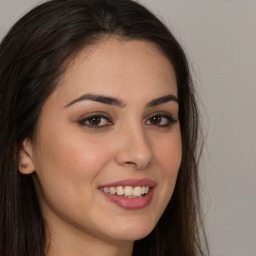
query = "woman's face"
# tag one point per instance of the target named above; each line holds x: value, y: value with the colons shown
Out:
x: 108, y: 145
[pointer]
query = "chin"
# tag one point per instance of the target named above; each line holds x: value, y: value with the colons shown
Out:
x: 133, y: 232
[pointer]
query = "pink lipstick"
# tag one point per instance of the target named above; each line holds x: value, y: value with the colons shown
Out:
x: 130, y: 193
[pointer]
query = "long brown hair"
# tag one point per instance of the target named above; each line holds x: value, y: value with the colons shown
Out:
x: 32, y: 57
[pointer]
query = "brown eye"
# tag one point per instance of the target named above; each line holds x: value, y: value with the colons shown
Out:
x: 95, y: 121
x: 161, y: 120
x: 155, y: 120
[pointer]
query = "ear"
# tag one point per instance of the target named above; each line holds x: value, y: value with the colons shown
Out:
x: 26, y: 165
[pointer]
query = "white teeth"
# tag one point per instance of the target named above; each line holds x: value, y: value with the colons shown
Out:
x: 119, y: 190
x: 137, y: 191
x: 127, y: 191
x: 106, y: 189
x: 112, y: 190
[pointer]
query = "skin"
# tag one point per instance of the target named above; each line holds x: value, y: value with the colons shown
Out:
x: 70, y: 161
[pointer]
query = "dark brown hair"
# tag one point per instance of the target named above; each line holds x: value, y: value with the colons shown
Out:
x: 32, y: 58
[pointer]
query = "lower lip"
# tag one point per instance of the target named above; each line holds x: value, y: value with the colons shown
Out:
x: 130, y: 203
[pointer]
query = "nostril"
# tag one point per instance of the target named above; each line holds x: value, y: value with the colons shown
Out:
x: 137, y: 165
x: 130, y: 163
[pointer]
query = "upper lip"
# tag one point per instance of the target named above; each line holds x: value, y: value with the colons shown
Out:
x: 131, y: 182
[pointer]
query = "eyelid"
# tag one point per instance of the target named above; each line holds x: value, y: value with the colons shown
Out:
x: 163, y: 114
x: 95, y: 114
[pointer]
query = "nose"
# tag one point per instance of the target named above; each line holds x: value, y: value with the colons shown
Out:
x: 134, y: 149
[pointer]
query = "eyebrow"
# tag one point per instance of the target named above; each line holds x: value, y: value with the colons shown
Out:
x: 162, y: 100
x: 118, y: 102
x: 98, y: 98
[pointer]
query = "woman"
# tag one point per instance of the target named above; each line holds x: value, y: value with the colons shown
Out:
x: 98, y: 134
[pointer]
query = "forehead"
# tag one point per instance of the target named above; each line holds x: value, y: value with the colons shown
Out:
x: 114, y: 66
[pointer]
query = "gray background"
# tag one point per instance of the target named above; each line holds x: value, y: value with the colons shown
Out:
x: 219, y: 37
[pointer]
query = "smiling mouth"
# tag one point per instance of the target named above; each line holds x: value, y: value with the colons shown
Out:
x: 127, y: 191
x: 129, y: 194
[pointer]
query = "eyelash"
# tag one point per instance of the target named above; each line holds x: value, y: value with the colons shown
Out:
x: 89, y: 118
x: 163, y: 115
x: 169, y: 120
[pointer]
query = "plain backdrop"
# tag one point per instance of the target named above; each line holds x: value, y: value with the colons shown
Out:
x: 220, y: 39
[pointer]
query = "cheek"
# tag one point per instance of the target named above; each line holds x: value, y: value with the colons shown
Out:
x: 168, y: 155
x: 70, y: 153
x: 67, y: 167
x: 67, y: 170
x: 169, y: 152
